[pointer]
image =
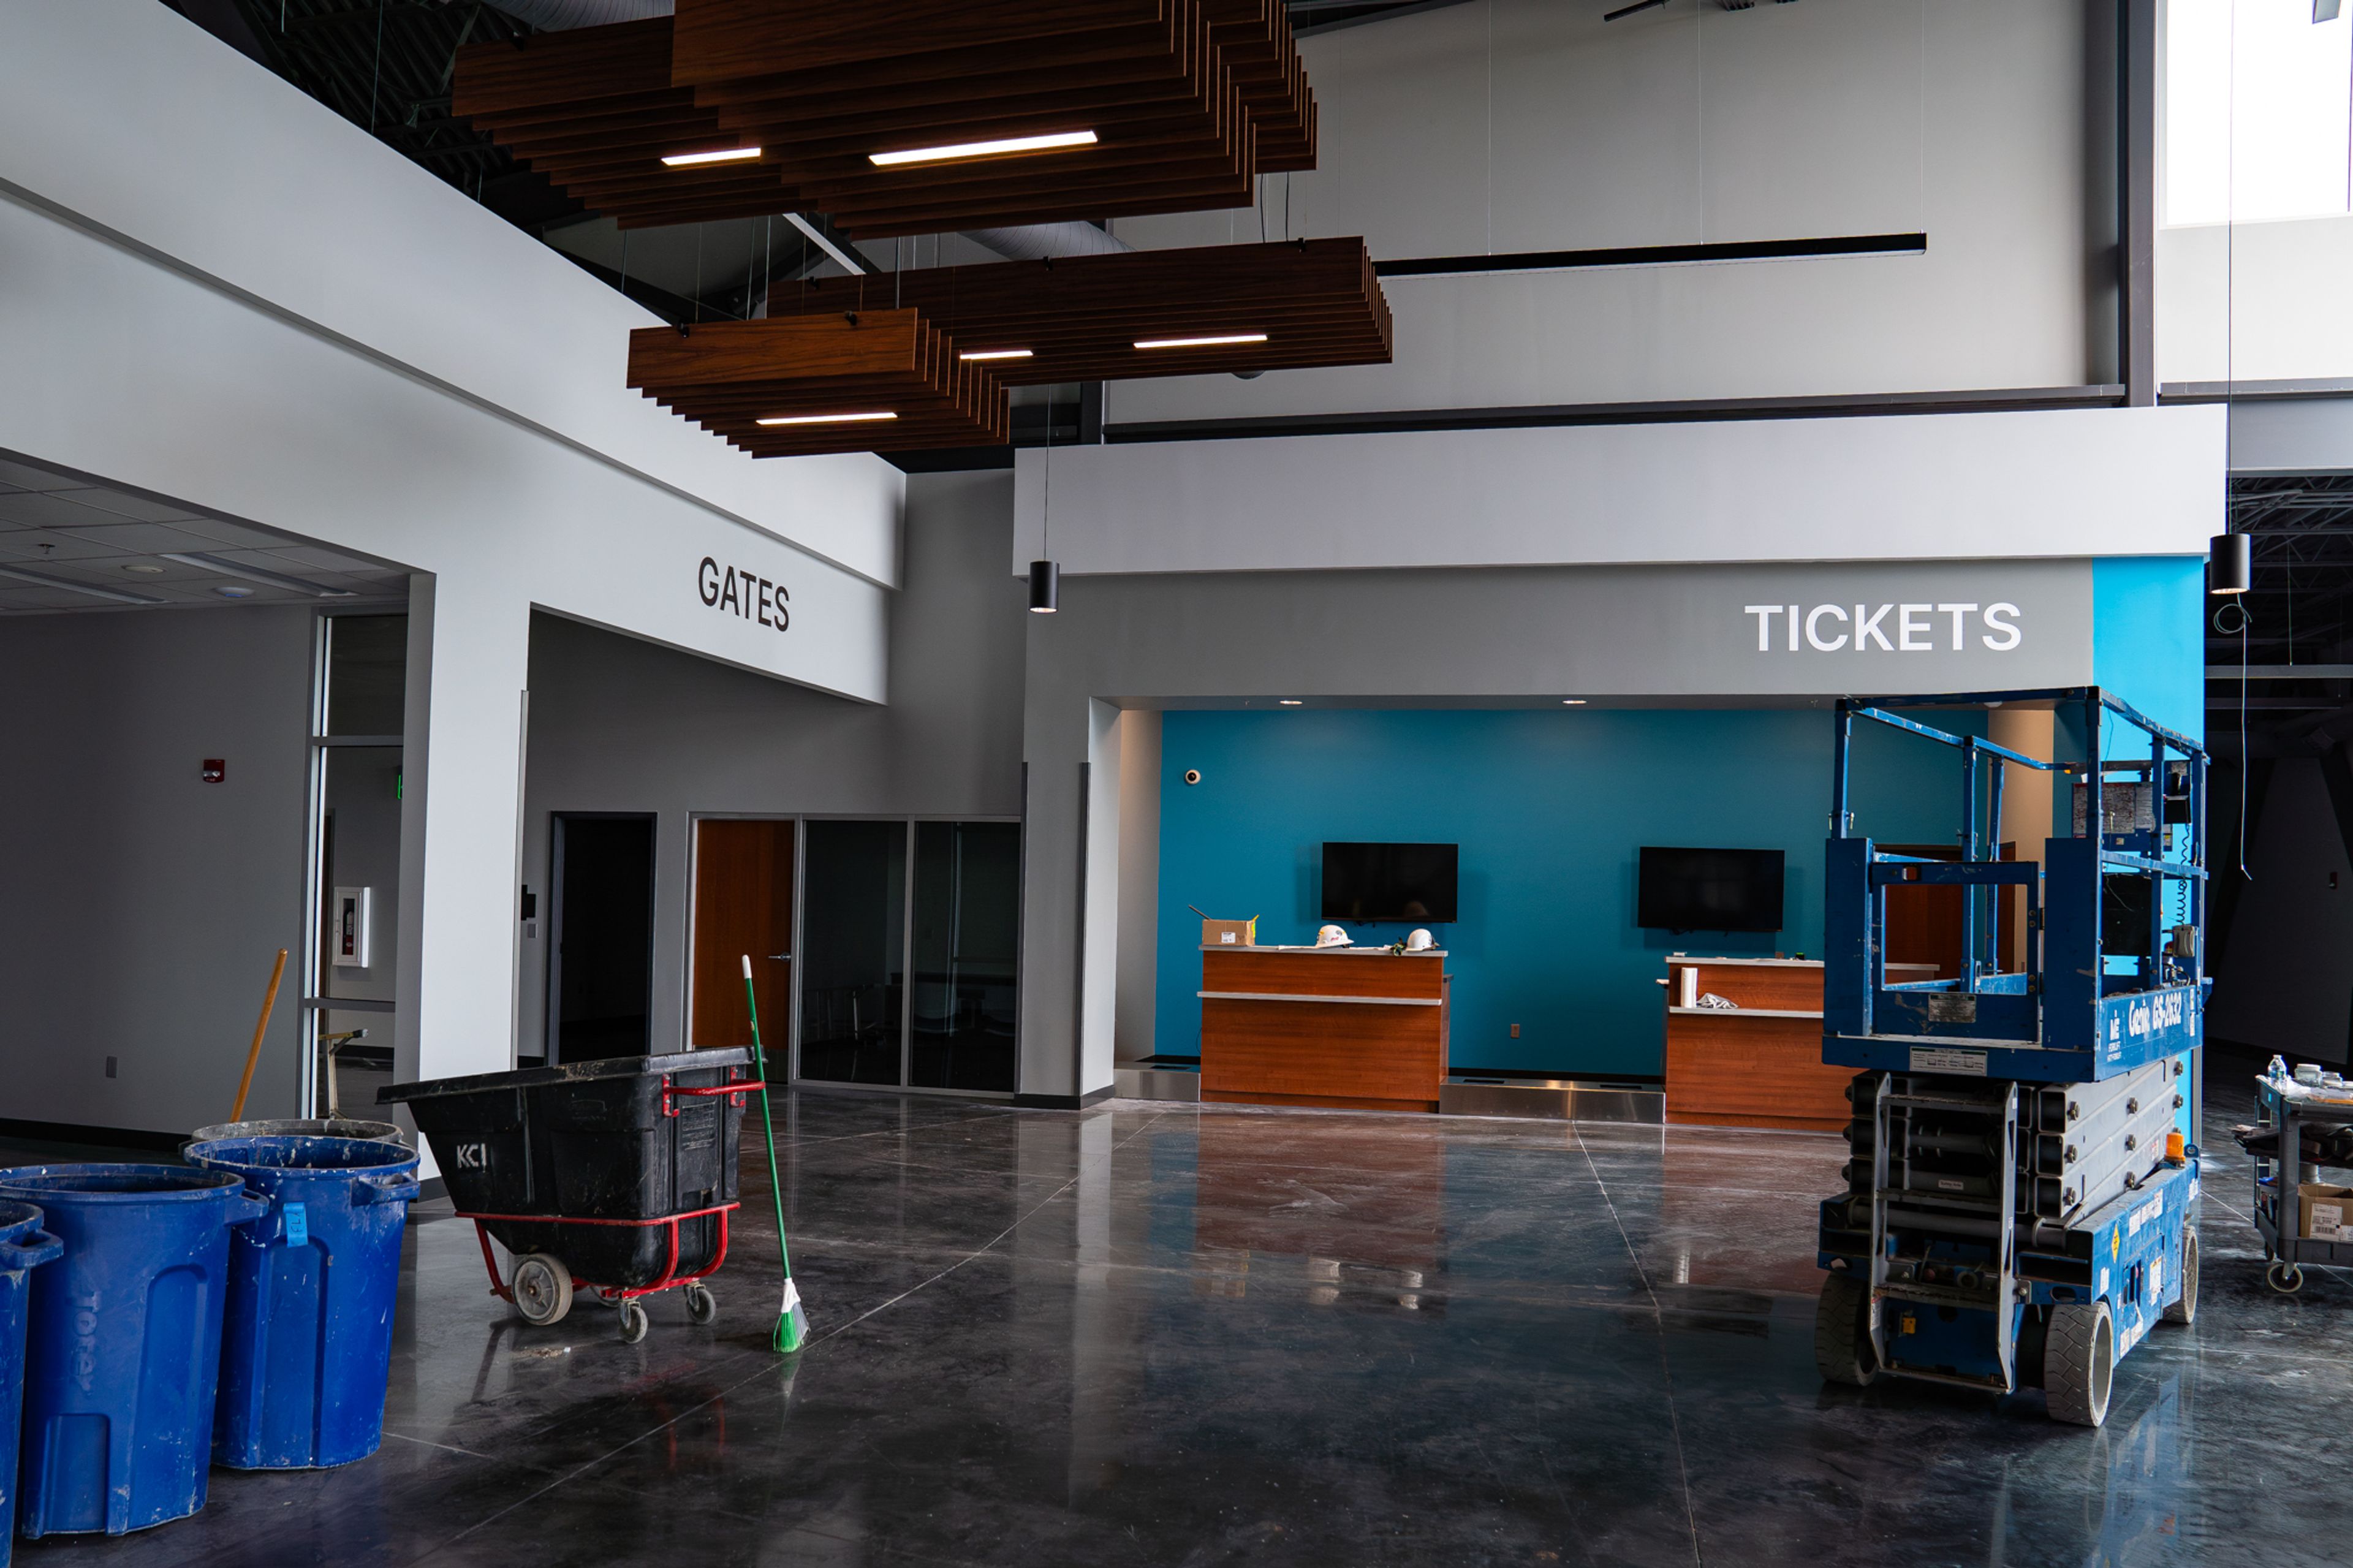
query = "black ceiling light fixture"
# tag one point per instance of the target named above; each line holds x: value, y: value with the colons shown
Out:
x: 2231, y: 563
x: 1046, y: 576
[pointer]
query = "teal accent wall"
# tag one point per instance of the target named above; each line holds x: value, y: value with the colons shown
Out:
x: 1550, y: 809
x: 2148, y: 635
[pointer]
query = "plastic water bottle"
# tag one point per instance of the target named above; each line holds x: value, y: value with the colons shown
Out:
x: 2277, y: 1072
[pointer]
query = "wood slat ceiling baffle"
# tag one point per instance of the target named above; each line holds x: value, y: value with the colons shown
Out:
x: 1189, y: 100
x: 727, y: 376
x: 1317, y: 300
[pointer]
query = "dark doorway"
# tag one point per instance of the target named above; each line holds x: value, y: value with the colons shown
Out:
x: 600, y: 966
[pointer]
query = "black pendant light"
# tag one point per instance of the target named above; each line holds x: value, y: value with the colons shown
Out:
x: 1046, y: 576
x: 2230, y: 564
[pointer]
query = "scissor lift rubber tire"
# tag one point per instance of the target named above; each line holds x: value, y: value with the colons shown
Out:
x: 1841, y: 1339
x: 2079, y: 1362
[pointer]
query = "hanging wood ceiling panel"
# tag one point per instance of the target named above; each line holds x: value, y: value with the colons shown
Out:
x: 1188, y: 100
x: 828, y: 365
x: 1317, y: 300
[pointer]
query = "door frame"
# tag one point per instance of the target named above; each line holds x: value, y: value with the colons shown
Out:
x: 800, y: 821
x: 552, y: 1009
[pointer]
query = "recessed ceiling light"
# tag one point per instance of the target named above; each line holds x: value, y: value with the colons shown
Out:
x: 145, y: 569
x: 230, y: 590
x: 1572, y: 702
x: 826, y: 418
x: 1055, y: 143
x: 228, y: 568
x: 1217, y: 341
x: 995, y: 353
x: 1290, y: 701
x: 724, y: 155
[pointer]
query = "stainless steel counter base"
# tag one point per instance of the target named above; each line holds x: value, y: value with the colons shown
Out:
x: 1147, y: 1082
x: 1551, y: 1099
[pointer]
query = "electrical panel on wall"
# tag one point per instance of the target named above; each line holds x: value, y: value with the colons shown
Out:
x: 350, y: 938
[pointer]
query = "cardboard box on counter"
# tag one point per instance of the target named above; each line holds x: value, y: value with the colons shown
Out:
x: 1229, y: 933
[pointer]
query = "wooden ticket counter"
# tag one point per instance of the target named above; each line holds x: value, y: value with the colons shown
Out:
x: 1759, y: 1063
x: 1359, y: 1029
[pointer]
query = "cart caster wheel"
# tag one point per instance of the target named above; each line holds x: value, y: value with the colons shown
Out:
x: 1842, y: 1351
x: 2284, y: 1278
x: 702, y: 1306
x: 2185, y: 1312
x: 2079, y: 1362
x: 543, y: 1288
x: 633, y: 1322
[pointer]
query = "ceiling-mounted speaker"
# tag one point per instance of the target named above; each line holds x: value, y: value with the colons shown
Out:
x: 831, y: 381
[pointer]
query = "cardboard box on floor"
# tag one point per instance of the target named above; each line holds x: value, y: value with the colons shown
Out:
x: 2327, y: 1212
x: 1229, y: 933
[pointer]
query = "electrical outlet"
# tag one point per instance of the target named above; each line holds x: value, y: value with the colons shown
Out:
x: 1515, y: 1031
x: 109, y: 1067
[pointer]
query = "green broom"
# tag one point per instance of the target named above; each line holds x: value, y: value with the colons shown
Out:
x: 792, y: 1321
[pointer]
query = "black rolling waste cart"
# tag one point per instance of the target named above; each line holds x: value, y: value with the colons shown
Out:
x: 616, y: 1176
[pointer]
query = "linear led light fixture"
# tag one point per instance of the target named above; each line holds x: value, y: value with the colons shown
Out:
x: 995, y: 354
x: 724, y: 155
x: 818, y: 237
x: 1217, y: 341
x: 827, y: 418
x: 1822, y: 247
x: 996, y: 148
x: 256, y: 575
x: 43, y: 579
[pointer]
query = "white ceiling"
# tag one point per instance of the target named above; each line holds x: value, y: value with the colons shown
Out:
x: 79, y: 533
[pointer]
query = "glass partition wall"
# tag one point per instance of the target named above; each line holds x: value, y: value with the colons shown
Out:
x: 902, y: 968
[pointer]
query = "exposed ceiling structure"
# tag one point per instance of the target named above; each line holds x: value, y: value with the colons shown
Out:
x: 2297, y: 618
x: 69, y: 544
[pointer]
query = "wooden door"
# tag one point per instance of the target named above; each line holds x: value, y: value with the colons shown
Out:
x: 742, y: 905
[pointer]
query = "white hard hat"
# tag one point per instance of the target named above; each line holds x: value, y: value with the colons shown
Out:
x: 1333, y: 936
x: 1418, y: 939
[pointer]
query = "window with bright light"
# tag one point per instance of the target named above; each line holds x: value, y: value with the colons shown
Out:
x: 2256, y: 111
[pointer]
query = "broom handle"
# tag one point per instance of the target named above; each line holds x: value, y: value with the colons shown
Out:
x: 760, y: 1064
x: 268, y: 1000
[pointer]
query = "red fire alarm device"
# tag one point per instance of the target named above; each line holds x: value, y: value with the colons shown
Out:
x: 215, y: 768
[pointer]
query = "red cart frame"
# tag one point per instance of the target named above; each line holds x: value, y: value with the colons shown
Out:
x: 670, y: 1278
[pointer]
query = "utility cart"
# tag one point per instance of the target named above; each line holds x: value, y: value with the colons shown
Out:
x: 2286, y: 1109
x: 616, y: 1176
x: 2017, y: 1208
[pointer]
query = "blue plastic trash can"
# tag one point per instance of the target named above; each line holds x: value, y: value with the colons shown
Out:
x: 307, y: 1345
x: 123, y: 1343
x: 23, y: 1247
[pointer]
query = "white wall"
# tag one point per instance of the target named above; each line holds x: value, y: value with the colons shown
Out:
x: 222, y: 294
x: 2139, y: 481
x: 2255, y: 301
x: 143, y: 906
x: 1518, y: 125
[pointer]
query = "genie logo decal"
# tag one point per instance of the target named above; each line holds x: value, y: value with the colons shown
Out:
x: 2158, y: 1012
x: 1945, y: 627
x: 744, y: 593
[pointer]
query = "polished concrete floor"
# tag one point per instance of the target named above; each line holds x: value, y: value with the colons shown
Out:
x: 1154, y: 1334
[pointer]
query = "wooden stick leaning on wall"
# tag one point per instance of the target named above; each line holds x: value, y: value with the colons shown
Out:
x: 268, y: 1000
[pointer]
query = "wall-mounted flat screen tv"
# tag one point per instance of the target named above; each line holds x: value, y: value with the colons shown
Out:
x: 1709, y: 889
x: 1389, y: 882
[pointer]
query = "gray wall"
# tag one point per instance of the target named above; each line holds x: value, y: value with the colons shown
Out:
x: 144, y: 907
x: 621, y: 725
x: 1639, y: 635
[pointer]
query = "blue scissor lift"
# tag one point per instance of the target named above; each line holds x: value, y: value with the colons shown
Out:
x: 2017, y: 1211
